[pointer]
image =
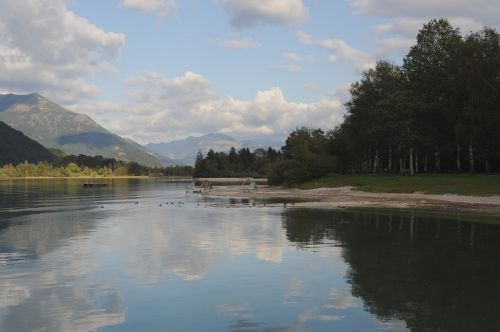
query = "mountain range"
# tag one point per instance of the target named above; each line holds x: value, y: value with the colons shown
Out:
x: 55, y: 127
x: 184, y: 151
x: 16, y: 148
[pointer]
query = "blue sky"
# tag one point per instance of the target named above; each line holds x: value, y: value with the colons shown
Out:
x: 157, y: 70
x: 190, y: 40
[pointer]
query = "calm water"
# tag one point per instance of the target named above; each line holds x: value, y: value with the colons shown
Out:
x: 74, y: 259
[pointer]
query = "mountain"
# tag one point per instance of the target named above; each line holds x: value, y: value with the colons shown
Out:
x: 57, y: 128
x: 16, y: 148
x: 165, y: 161
x: 185, y: 150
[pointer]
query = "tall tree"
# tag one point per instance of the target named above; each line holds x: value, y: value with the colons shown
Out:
x: 480, y: 70
x: 367, y: 123
x: 431, y: 67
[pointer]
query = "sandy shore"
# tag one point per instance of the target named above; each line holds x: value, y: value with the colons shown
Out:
x: 232, y: 181
x: 349, y: 197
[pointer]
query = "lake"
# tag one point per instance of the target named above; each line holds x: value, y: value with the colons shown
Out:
x: 141, y: 255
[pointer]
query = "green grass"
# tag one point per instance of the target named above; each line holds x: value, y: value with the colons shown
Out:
x: 461, y: 184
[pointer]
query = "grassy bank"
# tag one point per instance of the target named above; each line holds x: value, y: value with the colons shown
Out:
x: 461, y: 184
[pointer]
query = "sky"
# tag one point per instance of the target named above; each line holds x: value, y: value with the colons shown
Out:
x: 158, y: 70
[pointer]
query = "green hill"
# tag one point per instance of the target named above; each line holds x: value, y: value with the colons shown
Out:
x: 57, y: 128
x: 16, y: 148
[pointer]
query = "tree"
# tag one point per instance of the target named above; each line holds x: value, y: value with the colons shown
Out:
x: 305, y: 157
x: 199, y: 165
x: 367, y: 128
x: 431, y: 68
x: 480, y: 72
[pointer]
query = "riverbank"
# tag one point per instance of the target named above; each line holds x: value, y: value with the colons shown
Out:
x: 348, y: 196
x: 232, y: 181
x: 93, y: 177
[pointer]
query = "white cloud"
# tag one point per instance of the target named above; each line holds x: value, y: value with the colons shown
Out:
x: 394, y: 38
x: 407, y: 18
x: 162, y: 109
x: 242, y: 43
x: 246, y: 13
x: 341, y: 93
x: 304, y: 38
x: 485, y: 11
x: 82, y: 301
x: 315, y: 314
x: 161, y: 7
x: 45, y: 47
x: 311, y: 86
x: 409, y: 26
x: 292, y: 57
x: 293, y: 62
x: 294, y: 288
x: 392, y: 48
x: 340, y: 51
x: 341, y: 299
x: 290, y: 67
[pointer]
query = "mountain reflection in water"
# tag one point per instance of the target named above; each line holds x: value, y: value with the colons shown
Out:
x: 76, y: 260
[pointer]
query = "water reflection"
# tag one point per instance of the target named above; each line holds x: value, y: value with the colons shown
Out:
x: 186, y: 243
x: 434, y: 273
x: 55, y: 290
x: 157, y: 266
x: 32, y: 236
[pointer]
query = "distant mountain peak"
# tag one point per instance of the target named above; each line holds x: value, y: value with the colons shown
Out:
x: 56, y: 127
x: 8, y: 100
x: 218, y: 136
x: 185, y: 150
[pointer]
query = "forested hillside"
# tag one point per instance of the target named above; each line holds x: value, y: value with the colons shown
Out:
x: 16, y: 148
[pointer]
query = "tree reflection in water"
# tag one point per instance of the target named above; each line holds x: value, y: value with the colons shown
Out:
x: 437, y: 273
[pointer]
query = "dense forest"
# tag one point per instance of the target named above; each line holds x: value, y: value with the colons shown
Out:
x: 241, y: 163
x: 437, y: 112
x: 15, y: 147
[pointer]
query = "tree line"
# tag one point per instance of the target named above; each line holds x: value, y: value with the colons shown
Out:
x: 89, y: 166
x: 235, y: 163
x: 437, y: 112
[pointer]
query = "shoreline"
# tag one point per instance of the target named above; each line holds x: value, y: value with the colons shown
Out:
x: 233, y: 181
x: 348, y: 197
x: 92, y: 177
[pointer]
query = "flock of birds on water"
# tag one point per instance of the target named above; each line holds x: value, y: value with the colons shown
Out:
x: 181, y: 204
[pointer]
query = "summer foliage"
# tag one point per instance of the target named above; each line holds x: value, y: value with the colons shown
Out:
x: 437, y: 112
x: 81, y: 165
x: 241, y: 163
